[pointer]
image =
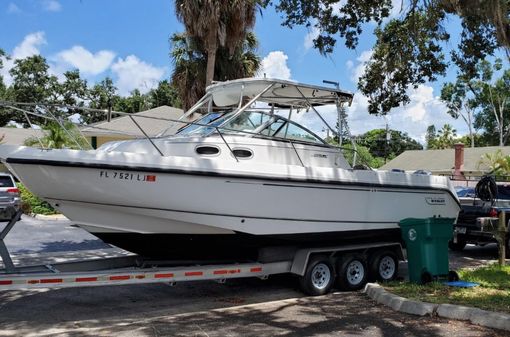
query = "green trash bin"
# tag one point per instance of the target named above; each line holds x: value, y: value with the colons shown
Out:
x: 426, y: 241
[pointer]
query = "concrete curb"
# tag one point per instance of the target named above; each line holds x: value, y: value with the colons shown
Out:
x: 49, y: 217
x: 476, y: 316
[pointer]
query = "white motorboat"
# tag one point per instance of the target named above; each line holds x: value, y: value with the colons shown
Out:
x: 244, y: 175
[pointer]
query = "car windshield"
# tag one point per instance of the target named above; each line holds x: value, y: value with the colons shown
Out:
x: 6, y: 181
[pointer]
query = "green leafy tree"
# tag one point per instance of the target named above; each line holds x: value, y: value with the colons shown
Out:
x: 103, y: 96
x: 216, y: 23
x: 492, y: 98
x: 380, y: 146
x: 460, y: 104
x: 363, y: 156
x: 133, y: 103
x: 431, y: 136
x: 410, y: 49
x: 190, y: 62
x: 164, y: 94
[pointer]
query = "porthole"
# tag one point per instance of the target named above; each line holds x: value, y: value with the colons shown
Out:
x: 207, y: 150
x: 242, y: 153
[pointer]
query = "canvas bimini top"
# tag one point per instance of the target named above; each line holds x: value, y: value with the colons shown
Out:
x: 275, y: 91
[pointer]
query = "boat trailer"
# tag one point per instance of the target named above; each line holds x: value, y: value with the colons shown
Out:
x: 133, y: 269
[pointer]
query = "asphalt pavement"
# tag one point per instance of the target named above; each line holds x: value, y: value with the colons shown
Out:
x: 243, y: 307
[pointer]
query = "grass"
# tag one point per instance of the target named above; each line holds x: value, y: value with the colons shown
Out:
x: 492, y: 294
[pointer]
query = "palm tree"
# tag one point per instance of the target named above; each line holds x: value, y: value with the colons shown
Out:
x: 217, y: 23
x: 55, y: 137
x: 446, y: 137
x: 190, y: 61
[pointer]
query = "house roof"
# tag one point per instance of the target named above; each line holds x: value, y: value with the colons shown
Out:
x: 17, y: 136
x: 443, y: 160
x: 125, y: 126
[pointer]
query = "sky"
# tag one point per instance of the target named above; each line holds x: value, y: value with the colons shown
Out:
x: 128, y: 41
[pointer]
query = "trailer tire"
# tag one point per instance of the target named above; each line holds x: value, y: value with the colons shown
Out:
x: 383, y: 266
x: 319, y: 276
x: 352, y: 272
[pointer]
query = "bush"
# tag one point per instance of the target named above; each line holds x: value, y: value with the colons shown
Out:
x: 33, y: 204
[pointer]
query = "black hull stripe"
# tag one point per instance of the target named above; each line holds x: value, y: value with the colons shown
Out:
x: 215, y: 214
x: 59, y: 163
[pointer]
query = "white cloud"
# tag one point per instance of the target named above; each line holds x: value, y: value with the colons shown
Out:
x: 359, y: 69
x: 414, y: 118
x: 132, y: 73
x: 28, y: 47
x: 274, y: 65
x: 13, y: 9
x: 312, y: 35
x: 87, y: 62
x: 51, y: 6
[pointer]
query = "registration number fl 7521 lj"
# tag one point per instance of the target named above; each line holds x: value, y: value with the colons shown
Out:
x: 127, y: 176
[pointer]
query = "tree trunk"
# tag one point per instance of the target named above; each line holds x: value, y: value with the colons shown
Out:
x: 212, y: 46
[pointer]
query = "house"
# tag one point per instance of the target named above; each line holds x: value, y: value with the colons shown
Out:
x: 17, y: 136
x: 460, y: 163
x: 152, y: 122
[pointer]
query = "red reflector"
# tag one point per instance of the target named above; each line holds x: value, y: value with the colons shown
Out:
x: 5, y: 282
x: 164, y: 275
x: 120, y: 277
x: 139, y: 276
x: 193, y: 273
x: 51, y: 280
x: 226, y: 271
x: 256, y: 269
x: 150, y: 178
x: 12, y: 190
x: 86, y: 279
x: 493, y: 213
x: 32, y: 281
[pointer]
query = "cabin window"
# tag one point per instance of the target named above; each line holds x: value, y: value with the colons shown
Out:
x: 242, y: 153
x: 207, y: 150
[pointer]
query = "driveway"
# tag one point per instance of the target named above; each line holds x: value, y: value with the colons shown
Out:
x: 244, y: 307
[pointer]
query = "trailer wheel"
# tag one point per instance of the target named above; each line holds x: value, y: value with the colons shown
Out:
x: 319, y: 276
x: 352, y: 272
x: 453, y: 276
x: 456, y: 246
x: 383, y: 266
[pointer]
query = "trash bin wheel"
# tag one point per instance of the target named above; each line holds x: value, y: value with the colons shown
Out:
x: 453, y: 276
x: 352, y: 272
x: 319, y: 276
x: 383, y: 266
x: 426, y: 277
x: 456, y: 246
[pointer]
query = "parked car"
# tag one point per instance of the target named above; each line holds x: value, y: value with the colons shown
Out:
x: 472, y: 224
x: 10, y: 199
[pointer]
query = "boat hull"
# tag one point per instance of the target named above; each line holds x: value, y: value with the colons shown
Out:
x: 169, y: 209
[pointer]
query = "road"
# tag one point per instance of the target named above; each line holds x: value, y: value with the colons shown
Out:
x: 244, y: 307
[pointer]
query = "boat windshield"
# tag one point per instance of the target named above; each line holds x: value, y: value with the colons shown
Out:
x: 213, y: 119
x: 252, y: 122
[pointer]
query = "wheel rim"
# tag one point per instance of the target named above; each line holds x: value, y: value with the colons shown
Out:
x: 387, y: 268
x: 321, y: 275
x: 355, y: 272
